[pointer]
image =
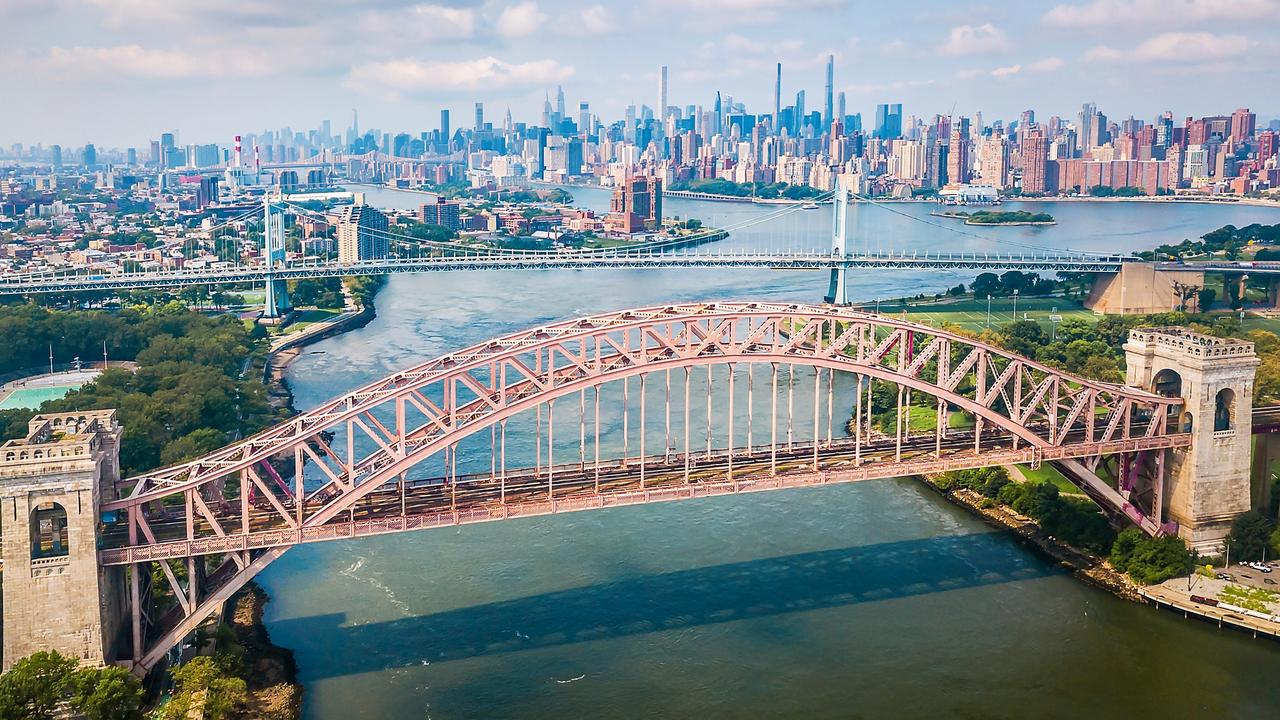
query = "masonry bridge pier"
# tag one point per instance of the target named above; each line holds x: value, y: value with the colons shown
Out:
x: 712, y: 399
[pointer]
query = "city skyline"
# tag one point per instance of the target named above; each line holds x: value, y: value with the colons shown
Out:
x: 401, y: 63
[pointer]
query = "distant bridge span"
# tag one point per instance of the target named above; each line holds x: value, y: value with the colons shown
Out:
x: 32, y: 284
x: 343, y: 469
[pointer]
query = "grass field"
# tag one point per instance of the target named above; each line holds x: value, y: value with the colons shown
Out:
x: 1252, y: 322
x: 972, y: 314
x: 1047, y: 473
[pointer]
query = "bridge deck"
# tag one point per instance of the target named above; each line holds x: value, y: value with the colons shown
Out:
x: 524, y: 493
x: 45, y: 283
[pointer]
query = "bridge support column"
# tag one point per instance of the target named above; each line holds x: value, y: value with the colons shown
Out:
x: 277, y: 304
x: 1209, y: 481
x: 1266, y: 466
x: 1273, y: 293
x: 276, y: 308
x: 838, y: 289
x: 56, y: 595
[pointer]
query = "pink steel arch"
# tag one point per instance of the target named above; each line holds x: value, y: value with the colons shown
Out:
x: 181, y: 513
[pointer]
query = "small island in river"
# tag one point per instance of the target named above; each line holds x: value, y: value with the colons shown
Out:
x: 999, y: 217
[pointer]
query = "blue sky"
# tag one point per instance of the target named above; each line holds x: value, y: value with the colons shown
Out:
x: 118, y: 72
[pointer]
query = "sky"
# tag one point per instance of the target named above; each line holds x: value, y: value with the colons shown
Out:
x: 119, y: 72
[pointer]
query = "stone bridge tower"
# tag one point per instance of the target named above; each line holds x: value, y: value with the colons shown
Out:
x: 1208, y: 482
x: 55, y: 594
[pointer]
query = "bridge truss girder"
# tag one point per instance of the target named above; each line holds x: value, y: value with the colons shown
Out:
x: 359, y: 449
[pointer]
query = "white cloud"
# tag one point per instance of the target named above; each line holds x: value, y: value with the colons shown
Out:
x: 1176, y: 47
x: 1006, y: 71
x: 1102, y: 53
x: 974, y: 40
x: 422, y: 22
x: 595, y: 19
x: 519, y: 20
x: 240, y: 14
x: 1158, y: 12
x: 741, y: 5
x: 151, y: 64
x: 410, y: 75
x: 894, y: 48
x: 1048, y: 64
x: 746, y: 12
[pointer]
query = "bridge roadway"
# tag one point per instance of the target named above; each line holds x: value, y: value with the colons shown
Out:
x: 28, y: 284
x: 435, y: 502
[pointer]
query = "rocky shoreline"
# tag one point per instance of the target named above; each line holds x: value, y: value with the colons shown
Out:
x: 1084, y: 566
x: 272, y: 673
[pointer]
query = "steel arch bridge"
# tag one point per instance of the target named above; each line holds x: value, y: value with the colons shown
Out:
x: 343, y: 469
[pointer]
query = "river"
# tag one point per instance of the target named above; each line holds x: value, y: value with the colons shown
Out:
x: 871, y: 600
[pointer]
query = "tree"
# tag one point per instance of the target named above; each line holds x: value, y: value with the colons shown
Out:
x: 1149, y: 560
x: 985, y: 285
x: 1206, y: 296
x: 1024, y: 337
x: 110, y: 693
x: 194, y: 444
x: 203, y: 677
x: 33, y: 687
x: 1250, y: 535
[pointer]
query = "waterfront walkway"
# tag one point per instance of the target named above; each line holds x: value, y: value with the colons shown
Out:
x: 1176, y: 594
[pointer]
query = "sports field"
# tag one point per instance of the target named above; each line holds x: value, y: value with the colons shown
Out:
x: 972, y: 314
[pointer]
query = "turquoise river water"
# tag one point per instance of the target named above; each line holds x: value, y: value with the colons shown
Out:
x: 874, y: 600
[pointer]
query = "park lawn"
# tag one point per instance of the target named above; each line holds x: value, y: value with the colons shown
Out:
x: 1255, y: 322
x: 921, y: 420
x: 597, y: 243
x: 1048, y: 473
x: 960, y: 420
x: 971, y: 314
x: 306, y: 318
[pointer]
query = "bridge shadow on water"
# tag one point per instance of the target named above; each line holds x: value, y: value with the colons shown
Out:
x: 681, y: 599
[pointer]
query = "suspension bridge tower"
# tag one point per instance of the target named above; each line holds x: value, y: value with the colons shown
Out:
x: 838, y: 289
x: 52, y: 484
x: 1209, y: 481
x: 277, y: 306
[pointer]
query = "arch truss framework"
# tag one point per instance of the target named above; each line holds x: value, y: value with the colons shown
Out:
x: 343, y: 468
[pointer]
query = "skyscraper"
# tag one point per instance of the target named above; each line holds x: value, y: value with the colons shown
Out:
x: 559, y: 103
x: 1035, y: 158
x: 958, y: 152
x: 888, y: 121
x: 1243, y: 123
x: 479, y: 116
x: 90, y: 156
x: 662, y: 93
x: 362, y: 234
x: 777, y: 101
x: 444, y: 128
x: 828, y: 111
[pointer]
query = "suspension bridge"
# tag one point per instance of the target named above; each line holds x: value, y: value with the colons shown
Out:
x: 272, y: 266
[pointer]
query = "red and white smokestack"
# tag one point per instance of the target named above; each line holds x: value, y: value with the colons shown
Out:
x: 238, y: 151
x: 257, y: 163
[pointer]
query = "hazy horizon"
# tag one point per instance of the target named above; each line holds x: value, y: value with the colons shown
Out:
x: 119, y: 72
